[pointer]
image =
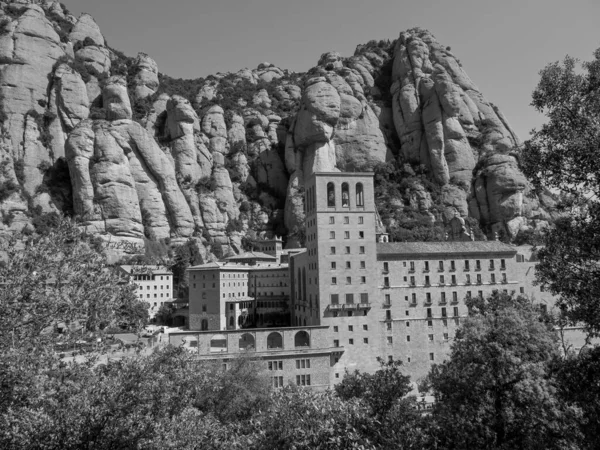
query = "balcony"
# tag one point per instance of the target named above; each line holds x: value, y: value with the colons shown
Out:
x: 454, y: 301
x: 386, y: 286
x: 491, y: 268
x: 363, y: 306
x: 467, y: 283
x: 452, y: 269
x: 443, y: 302
x: 502, y: 267
x: 425, y: 270
x: 349, y: 306
x: 477, y: 269
x: 442, y: 284
x: 386, y: 304
x: 412, y: 270
x: 334, y: 307
x: 413, y: 303
x: 504, y: 281
x: 427, y: 284
x: 466, y: 269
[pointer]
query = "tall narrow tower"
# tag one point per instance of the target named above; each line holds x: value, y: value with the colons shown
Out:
x: 341, y: 264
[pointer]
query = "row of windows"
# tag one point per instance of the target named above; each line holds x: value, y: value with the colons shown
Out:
x: 466, y: 267
x: 150, y: 277
x: 453, y: 280
x: 336, y: 342
x: 155, y: 295
x: 361, y: 220
x: 331, y: 201
x: 363, y: 280
x: 429, y: 323
x: 347, y: 250
x: 363, y: 265
x: 346, y: 313
x: 247, y: 342
x: 155, y: 287
x: 365, y: 327
x: 335, y: 298
x: 361, y: 235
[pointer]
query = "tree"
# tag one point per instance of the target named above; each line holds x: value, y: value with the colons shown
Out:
x: 563, y: 156
x: 164, y: 314
x: 48, y: 279
x: 495, y: 390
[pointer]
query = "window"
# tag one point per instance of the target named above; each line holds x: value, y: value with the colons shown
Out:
x: 522, y: 290
x: 345, y: 196
x: 347, y: 250
x: 443, y: 297
x: 452, y: 266
x: 414, y: 298
x: 335, y: 328
x: 441, y: 266
x: 332, y: 250
x: 390, y: 341
x: 331, y: 219
x: 349, y: 299
x: 443, y: 312
x: 454, y: 279
x: 330, y: 195
x: 348, y: 265
x: 468, y: 279
x: 351, y: 341
x: 346, y: 235
x: 303, y: 364
x: 491, y: 264
x: 412, y: 266
x: 431, y: 357
x: 303, y: 380
x: 363, y: 265
x: 388, y: 299
x: 386, y: 282
x: 336, y: 342
x: 502, y: 264
x: 477, y: 265
x: 428, y: 297
x: 442, y: 281
x: 408, y: 338
x: 363, y: 280
x: 361, y: 250
x: 493, y: 278
x: 364, y: 297
x: 412, y: 281
x: 478, y: 278
x: 346, y: 220
x: 333, y: 280
x: 350, y: 328
x: 361, y: 220
x: 445, y: 322
x: 428, y: 312
x: 366, y: 340
x: 430, y: 323
x: 332, y: 235
x: 455, y: 297
x: 335, y: 299
x: 430, y: 337
x: 407, y: 323
x: 455, y: 311
x: 275, y: 365
x: 427, y: 281
x: 360, y: 199
x: 333, y: 265
x: 504, y: 278
x: 426, y: 269
x: 278, y: 382
x: 365, y: 327
x: 466, y: 265
x: 388, y: 315
x: 348, y: 280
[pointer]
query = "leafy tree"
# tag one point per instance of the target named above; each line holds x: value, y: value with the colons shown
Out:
x: 164, y: 314
x: 48, y: 279
x: 563, y: 156
x: 495, y: 390
x: 578, y: 382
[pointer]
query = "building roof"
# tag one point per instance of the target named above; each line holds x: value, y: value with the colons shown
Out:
x: 146, y: 269
x: 443, y: 248
x: 250, y: 256
x: 226, y: 265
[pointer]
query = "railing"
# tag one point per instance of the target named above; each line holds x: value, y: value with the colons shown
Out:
x: 335, y: 307
x: 364, y: 306
x: 349, y: 306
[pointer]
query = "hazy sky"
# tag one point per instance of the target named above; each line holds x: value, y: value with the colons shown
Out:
x: 502, y: 44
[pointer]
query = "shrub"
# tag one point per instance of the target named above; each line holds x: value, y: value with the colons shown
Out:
x: 7, y: 188
x: 19, y: 166
x: 235, y: 225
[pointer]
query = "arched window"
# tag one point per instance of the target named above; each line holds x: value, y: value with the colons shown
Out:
x: 246, y: 342
x: 302, y: 339
x: 330, y: 195
x: 274, y: 340
x: 204, y: 325
x: 360, y: 197
x: 218, y: 343
x: 345, y: 195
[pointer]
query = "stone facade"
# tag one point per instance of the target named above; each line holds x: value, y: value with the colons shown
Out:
x: 154, y: 285
x: 299, y: 355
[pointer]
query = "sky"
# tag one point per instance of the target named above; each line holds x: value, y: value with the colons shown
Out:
x: 502, y: 44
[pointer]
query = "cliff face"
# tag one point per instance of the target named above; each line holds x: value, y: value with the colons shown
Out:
x: 137, y: 155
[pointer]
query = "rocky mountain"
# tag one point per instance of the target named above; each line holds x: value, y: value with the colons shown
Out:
x: 138, y: 156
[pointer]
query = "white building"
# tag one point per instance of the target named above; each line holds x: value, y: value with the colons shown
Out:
x: 154, y: 285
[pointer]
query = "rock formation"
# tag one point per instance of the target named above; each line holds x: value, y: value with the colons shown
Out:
x: 154, y: 158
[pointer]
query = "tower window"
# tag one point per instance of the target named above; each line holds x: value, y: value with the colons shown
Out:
x: 360, y: 198
x: 330, y: 195
x: 345, y: 196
